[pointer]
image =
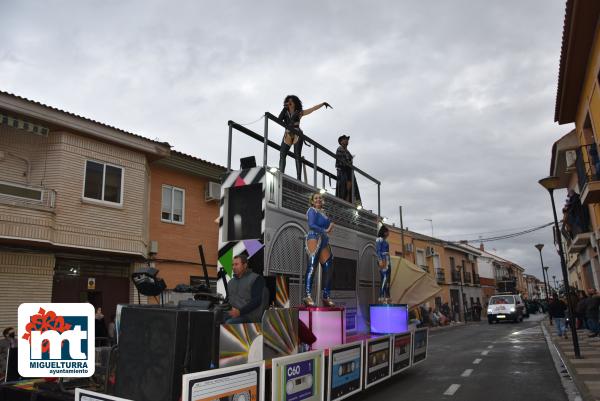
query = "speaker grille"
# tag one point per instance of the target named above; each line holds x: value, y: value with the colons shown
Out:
x: 287, y: 252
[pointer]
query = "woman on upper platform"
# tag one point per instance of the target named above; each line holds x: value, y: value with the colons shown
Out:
x: 318, y: 249
x: 382, y: 248
x: 290, y: 115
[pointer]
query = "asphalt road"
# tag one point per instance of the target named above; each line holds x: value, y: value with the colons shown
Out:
x: 499, y: 362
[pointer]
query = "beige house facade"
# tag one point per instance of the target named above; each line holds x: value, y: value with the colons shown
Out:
x: 74, y: 205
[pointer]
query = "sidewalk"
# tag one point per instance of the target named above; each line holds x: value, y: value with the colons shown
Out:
x: 586, y: 371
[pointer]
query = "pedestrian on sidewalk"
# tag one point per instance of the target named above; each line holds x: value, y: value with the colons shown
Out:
x: 580, y: 310
x: 556, y: 310
x: 592, y: 309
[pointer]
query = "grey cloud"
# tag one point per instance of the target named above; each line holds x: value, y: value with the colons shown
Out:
x: 450, y: 104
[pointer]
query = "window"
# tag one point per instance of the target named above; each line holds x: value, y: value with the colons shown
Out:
x: 173, y: 204
x: 103, y: 182
x: 421, y: 258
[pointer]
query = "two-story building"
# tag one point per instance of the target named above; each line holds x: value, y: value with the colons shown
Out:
x: 74, y: 207
x: 184, y: 206
x: 575, y: 160
x: 453, y: 266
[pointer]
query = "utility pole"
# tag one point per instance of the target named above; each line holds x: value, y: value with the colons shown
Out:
x: 402, y: 234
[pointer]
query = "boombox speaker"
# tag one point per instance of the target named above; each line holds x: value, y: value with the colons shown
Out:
x: 159, y: 344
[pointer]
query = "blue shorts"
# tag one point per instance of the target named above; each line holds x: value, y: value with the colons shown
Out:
x: 323, y: 240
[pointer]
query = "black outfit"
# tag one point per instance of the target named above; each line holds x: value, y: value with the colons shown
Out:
x: 291, y: 121
x: 557, y: 309
x: 343, y: 164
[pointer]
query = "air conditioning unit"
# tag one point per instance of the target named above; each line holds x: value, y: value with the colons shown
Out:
x: 212, y: 192
x: 571, y: 159
x: 409, y: 247
x: 471, y: 258
x: 429, y: 251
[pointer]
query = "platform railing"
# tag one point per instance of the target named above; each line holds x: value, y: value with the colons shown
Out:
x: 314, y: 164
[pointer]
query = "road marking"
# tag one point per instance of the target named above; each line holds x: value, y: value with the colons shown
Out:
x: 490, y: 346
x: 467, y: 373
x: 477, y: 361
x: 452, y: 389
x: 484, y: 353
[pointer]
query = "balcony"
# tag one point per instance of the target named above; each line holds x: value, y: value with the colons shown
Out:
x: 440, y: 276
x: 26, y: 196
x: 468, y: 278
x: 456, y: 276
x: 588, y: 173
x: 576, y: 227
x: 476, y: 279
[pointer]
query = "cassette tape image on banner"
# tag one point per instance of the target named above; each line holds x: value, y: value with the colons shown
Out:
x: 378, y: 360
x: 345, y: 370
x: 240, y: 343
x: 298, y: 377
x: 420, y: 346
x: 238, y: 383
x: 401, y: 352
x: 87, y: 395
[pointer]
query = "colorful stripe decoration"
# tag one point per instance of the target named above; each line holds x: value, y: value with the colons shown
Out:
x: 229, y: 249
x: 23, y: 125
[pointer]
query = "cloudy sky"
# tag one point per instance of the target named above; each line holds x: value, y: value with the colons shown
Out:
x: 449, y: 104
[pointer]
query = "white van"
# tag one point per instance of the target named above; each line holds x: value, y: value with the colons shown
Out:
x: 504, y: 308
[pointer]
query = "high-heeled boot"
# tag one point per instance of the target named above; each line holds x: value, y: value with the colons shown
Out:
x: 382, y: 288
x: 326, y: 276
x: 308, y: 279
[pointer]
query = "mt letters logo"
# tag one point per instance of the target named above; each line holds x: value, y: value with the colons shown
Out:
x: 56, y: 340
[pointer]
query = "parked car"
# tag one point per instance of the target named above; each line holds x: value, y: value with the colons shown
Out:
x: 505, y: 307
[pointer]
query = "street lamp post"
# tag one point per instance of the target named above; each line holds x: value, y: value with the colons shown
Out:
x: 552, y: 183
x: 462, y: 297
x: 539, y: 248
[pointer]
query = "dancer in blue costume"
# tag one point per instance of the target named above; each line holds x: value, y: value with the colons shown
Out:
x: 318, y: 249
x: 382, y: 247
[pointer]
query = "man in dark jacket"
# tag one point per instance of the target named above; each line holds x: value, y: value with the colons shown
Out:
x: 580, y: 310
x: 246, y: 293
x: 556, y: 310
x: 592, y: 309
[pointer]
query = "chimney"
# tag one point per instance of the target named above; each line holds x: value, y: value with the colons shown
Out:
x: 481, y: 247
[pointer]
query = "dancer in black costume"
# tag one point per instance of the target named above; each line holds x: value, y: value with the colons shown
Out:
x: 291, y: 114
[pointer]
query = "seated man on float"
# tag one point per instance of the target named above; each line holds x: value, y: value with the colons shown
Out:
x: 247, y: 293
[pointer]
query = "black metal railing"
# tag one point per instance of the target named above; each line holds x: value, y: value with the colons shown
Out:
x: 468, y: 277
x: 311, y: 164
x: 576, y: 217
x: 456, y: 276
x: 440, y: 275
x: 476, y: 279
x: 588, y: 164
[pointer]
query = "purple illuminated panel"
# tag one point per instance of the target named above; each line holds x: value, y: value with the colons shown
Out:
x: 327, y: 324
x: 389, y: 319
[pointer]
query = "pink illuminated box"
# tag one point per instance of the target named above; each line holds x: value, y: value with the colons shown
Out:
x: 327, y: 324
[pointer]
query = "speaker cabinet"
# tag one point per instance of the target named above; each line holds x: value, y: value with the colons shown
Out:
x: 157, y: 345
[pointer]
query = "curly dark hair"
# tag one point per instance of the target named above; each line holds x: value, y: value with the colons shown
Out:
x: 295, y: 99
x: 382, y: 231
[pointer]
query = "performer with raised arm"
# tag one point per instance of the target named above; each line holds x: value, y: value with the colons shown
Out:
x: 318, y: 249
x: 291, y: 114
x: 382, y: 248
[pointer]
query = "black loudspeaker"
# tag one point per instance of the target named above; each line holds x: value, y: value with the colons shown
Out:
x: 247, y: 162
x: 157, y: 345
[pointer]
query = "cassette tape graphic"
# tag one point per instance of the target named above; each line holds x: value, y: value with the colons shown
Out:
x: 299, y: 384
